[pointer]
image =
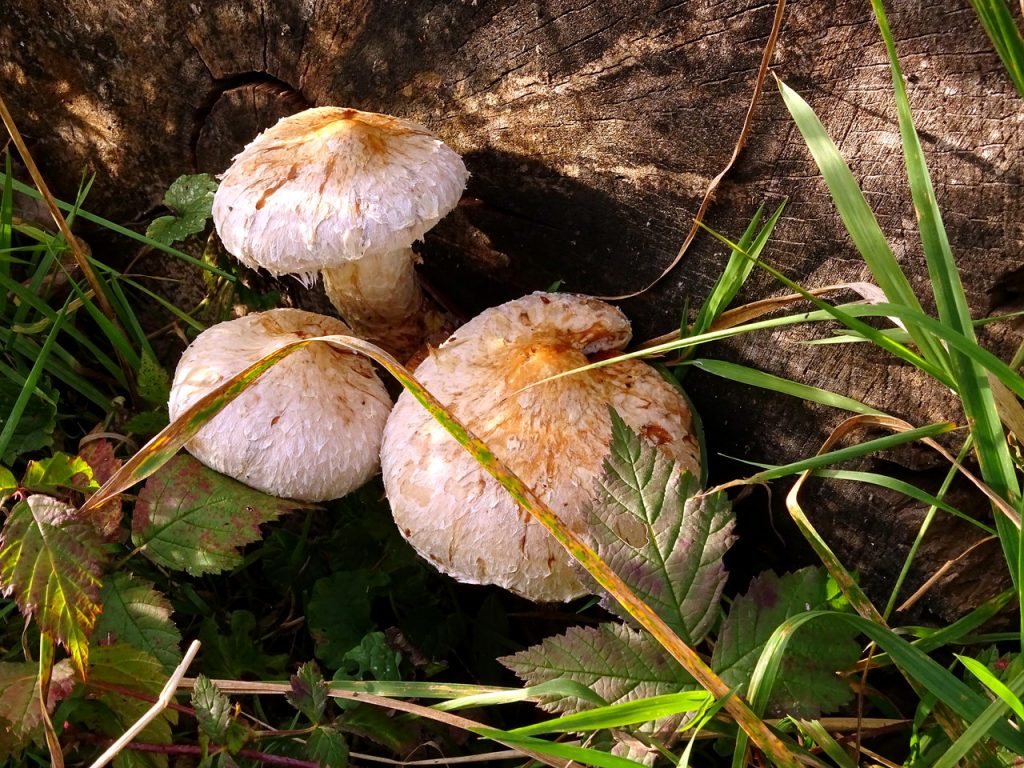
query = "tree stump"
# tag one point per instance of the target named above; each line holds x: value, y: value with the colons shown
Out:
x: 591, y: 131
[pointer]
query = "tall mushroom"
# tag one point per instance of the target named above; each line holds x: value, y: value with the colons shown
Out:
x: 310, y: 428
x: 555, y: 436
x: 346, y: 193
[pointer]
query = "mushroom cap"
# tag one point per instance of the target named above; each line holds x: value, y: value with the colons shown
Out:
x: 329, y: 185
x: 309, y: 429
x: 554, y: 436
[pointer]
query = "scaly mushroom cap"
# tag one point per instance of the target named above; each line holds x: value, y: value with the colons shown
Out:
x: 309, y: 429
x: 554, y: 436
x: 329, y: 185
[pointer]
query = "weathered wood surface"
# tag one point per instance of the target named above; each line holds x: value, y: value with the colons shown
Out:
x: 591, y: 130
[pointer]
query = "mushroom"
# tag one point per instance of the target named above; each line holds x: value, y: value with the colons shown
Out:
x: 555, y: 436
x: 346, y: 193
x: 309, y: 428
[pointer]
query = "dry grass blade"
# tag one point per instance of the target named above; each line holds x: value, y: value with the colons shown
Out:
x: 51, y: 204
x: 932, y: 580
x: 153, y: 712
x: 756, y: 309
x: 174, y: 436
x: 709, y: 193
x: 456, y: 721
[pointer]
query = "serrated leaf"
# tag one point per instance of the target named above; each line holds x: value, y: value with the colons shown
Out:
x: 154, y: 384
x: 373, y: 659
x: 60, y: 473
x: 20, y: 713
x: 99, y: 455
x: 615, y: 661
x: 119, y: 667
x: 191, y: 200
x: 309, y: 692
x: 663, y: 540
x: 190, y: 518
x: 235, y: 654
x: 51, y: 562
x: 808, y: 684
x: 213, y: 709
x: 38, y: 421
x: 135, y: 613
x: 326, y: 746
x: 19, y: 699
x: 338, y: 612
x: 147, y: 422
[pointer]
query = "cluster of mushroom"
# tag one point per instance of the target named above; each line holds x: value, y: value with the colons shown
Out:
x: 320, y: 422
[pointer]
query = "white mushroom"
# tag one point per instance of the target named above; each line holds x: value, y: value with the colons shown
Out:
x: 309, y: 429
x: 346, y: 193
x: 555, y: 436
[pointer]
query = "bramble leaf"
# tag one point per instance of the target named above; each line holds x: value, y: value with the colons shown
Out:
x: 373, y: 658
x: 51, y: 562
x: 808, y: 685
x: 191, y: 200
x: 190, y: 518
x: 309, y: 692
x: 38, y: 421
x: 235, y: 654
x: 213, y: 709
x: 59, y: 473
x: 653, y: 530
x: 338, y: 612
x: 153, y: 382
x: 8, y: 484
x: 115, y: 671
x: 20, y: 713
x: 615, y: 661
x: 327, y: 747
x: 135, y: 613
x: 99, y: 455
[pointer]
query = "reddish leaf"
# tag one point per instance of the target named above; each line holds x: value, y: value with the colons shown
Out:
x: 191, y: 518
x: 50, y: 560
x: 99, y: 454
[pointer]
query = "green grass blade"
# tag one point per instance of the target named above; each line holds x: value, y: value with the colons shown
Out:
x: 851, y: 452
x: 31, y: 381
x: 622, y: 714
x: 994, y: 684
x: 755, y: 378
x: 915, y: 664
x: 907, y: 489
x: 1002, y: 30
x: 580, y: 755
x: 995, y: 713
x: 107, y: 224
x: 991, y: 448
x: 858, y: 219
x: 559, y: 687
x: 737, y: 269
x: 816, y: 732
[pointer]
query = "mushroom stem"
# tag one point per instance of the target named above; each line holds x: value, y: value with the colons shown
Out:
x: 381, y: 299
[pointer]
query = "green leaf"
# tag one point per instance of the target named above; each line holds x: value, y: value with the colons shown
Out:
x: 19, y: 699
x: 115, y: 672
x: 50, y: 560
x: 60, y: 472
x: 213, y: 709
x: 190, y: 518
x: 327, y: 747
x: 153, y: 381
x: 807, y: 683
x: 373, y: 658
x: 615, y: 661
x: 338, y: 613
x: 624, y: 713
x: 309, y: 692
x: 666, y: 544
x: 135, y: 613
x: 147, y: 422
x: 37, y: 424
x: 236, y: 654
x: 1002, y: 30
x: 8, y: 485
x: 191, y: 200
